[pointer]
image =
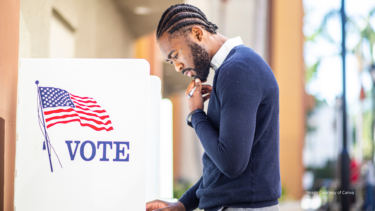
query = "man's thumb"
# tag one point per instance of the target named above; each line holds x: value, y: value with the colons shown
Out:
x: 198, y: 84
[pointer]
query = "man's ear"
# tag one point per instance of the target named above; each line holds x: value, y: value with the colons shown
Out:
x: 197, y: 33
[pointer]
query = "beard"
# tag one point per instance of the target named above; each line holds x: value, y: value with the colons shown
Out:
x: 201, y: 61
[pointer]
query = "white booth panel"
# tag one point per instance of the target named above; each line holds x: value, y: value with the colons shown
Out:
x: 166, y: 150
x: 152, y: 178
x: 96, y: 117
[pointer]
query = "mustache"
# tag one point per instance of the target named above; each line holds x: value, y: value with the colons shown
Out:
x: 187, y: 69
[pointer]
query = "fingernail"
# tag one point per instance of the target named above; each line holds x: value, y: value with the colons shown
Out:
x: 197, y: 80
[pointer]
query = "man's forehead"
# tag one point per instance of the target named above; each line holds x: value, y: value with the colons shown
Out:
x: 168, y: 46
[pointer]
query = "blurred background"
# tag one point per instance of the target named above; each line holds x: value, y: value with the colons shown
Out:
x: 300, y: 40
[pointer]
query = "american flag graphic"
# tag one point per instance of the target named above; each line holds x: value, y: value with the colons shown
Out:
x: 62, y: 107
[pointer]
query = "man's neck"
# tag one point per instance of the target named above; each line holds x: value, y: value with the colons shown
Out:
x: 217, y: 40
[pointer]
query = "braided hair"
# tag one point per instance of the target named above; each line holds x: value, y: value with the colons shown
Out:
x: 179, y: 16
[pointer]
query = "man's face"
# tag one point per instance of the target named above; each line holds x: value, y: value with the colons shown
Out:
x: 187, y: 55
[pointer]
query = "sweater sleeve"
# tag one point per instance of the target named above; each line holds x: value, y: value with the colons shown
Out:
x: 239, y: 93
x: 190, y: 199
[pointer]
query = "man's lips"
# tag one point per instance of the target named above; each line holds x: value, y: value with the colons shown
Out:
x: 187, y: 72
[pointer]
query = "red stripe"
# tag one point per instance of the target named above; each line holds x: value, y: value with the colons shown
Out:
x: 80, y: 97
x: 82, y: 124
x: 86, y: 109
x: 77, y: 111
x: 77, y: 98
x: 96, y: 121
x: 61, y: 117
x: 90, y: 106
x: 89, y: 101
x: 80, y: 112
x: 89, y: 114
x: 81, y: 117
x: 58, y: 111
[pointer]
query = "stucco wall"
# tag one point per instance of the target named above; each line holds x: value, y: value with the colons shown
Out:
x: 9, y: 21
x: 99, y: 28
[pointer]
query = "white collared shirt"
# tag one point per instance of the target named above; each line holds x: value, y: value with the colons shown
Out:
x: 223, y: 52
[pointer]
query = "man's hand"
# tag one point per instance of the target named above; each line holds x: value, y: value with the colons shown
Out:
x: 206, y: 89
x: 158, y: 205
x: 196, y: 101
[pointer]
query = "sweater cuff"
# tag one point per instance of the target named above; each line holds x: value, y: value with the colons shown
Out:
x: 197, y: 117
x: 186, y: 201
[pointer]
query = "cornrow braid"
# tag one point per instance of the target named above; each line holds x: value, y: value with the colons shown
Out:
x: 178, y: 10
x: 181, y: 15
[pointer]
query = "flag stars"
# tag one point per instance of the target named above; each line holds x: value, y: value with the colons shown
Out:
x: 54, y: 97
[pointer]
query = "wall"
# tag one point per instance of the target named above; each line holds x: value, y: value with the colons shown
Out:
x: 288, y: 66
x: 234, y: 18
x: 9, y: 25
x: 99, y: 28
x: 147, y: 48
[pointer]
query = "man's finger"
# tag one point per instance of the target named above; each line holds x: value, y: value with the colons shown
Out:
x: 156, y: 204
x: 190, y: 87
x: 207, y: 87
x: 198, y: 85
x: 206, y: 97
x: 204, y: 92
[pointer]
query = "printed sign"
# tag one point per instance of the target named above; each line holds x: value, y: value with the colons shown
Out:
x: 81, y: 134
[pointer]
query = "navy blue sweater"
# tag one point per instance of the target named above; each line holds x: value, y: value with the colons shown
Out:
x: 240, y: 137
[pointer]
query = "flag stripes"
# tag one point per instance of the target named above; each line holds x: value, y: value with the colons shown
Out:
x: 73, y: 108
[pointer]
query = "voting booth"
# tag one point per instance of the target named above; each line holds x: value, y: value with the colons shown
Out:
x: 82, y: 134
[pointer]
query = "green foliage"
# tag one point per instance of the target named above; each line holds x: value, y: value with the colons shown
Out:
x: 322, y: 30
x: 367, y: 34
x: 283, y: 194
x: 325, y: 172
x: 180, y: 187
x: 367, y: 134
x: 311, y: 71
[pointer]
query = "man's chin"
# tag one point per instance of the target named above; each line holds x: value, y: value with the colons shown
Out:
x: 202, y: 80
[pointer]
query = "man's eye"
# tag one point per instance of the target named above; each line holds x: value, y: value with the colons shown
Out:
x: 175, y: 57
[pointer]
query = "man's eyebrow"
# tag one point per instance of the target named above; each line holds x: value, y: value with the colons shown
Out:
x: 170, y: 54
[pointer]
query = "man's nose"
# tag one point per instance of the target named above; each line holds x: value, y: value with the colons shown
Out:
x: 178, y: 66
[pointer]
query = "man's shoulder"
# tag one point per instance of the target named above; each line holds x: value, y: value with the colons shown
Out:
x: 243, y: 64
x: 243, y: 54
x: 241, y: 60
x: 241, y: 51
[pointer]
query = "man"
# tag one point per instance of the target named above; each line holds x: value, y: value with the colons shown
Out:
x: 240, y: 133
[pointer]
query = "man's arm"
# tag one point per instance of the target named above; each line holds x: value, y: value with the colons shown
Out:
x: 240, y: 95
x: 190, y: 199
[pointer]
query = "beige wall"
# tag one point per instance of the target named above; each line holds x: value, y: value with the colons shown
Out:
x: 234, y: 18
x: 288, y: 66
x: 34, y: 28
x: 99, y: 28
x: 9, y: 26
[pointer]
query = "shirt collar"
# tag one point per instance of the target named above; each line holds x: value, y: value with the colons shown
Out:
x: 223, y: 52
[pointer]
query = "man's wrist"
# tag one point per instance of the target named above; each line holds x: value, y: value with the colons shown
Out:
x: 188, y: 118
x: 180, y: 206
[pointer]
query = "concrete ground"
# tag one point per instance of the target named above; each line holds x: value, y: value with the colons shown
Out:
x: 290, y: 206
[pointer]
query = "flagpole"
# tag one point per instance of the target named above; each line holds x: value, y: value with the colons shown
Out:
x: 345, y: 159
x: 44, y: 124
